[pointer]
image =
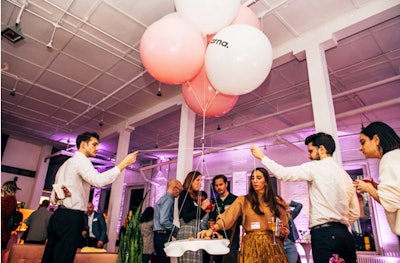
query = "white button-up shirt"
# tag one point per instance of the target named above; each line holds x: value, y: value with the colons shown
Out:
x: 332, y: 195
x: 78, y: 174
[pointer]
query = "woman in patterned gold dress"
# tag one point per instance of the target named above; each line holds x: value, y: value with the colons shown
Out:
x: 256, y: 209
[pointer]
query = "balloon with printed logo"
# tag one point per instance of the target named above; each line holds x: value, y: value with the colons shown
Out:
x: 204, y: 100
x: 238, y: 59
x: 208, y: 16
x: 172, y: 50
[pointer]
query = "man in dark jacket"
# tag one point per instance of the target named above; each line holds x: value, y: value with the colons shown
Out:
x: 95, y: 228
x: 223, y: 201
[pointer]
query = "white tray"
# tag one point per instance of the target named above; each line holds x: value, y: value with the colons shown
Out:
x: 213, y: 246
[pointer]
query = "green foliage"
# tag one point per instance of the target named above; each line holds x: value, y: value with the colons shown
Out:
x: 131, y: 243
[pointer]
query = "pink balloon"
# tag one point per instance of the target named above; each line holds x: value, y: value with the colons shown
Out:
x: 244, y: 16
x: 247, y: 16
x: 210, y: 37
x: 203, y: 99
x: 172, y: 50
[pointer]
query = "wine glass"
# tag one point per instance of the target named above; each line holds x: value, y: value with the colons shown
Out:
x: 272, y: 224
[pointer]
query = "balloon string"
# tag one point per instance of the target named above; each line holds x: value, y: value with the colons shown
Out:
x: 207, y: 103
x: 196, y: 96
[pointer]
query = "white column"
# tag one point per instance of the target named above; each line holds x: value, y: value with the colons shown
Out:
x: 115, y: 205
x: 186, y: 142
x: 40, y: 177
x: 185, y: 150
x: 321, y: 95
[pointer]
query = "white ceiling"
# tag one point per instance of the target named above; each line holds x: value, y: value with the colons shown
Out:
x: 93, y: 73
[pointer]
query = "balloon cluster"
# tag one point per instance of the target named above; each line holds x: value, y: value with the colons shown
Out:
x: 214, y: 48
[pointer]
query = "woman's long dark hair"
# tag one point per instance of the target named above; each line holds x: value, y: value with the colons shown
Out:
x: 148, y: 215
x: 268, y: 197
x: 388, y: 138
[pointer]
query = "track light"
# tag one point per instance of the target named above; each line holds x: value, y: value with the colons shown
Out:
x: 156, y: 146
x: 101, y: 122
x: 50, y: 44
x: 13, y: 92
x: 218, y: 127
x: 13, y: 33
x: 159, y: 94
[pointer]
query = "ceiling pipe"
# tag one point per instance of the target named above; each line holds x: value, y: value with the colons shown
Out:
x: 141, y: 172
x: 107, y: 97
x: 290, y: 145
x: 361, y: 110
x: 250, y: 2
x: 272, y: 9
x: 24, y: 4
x: 84, y: 39
x: 338, y: 95
x: 96, y: 28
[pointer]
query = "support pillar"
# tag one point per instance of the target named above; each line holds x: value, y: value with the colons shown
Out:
x: 321, y: 95
x: 186, y: 142
x: 40, y: 177
x: 117, y: 191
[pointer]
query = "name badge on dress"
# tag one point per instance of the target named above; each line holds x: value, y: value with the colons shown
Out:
x: 255, y: 225
x: 94, y: 219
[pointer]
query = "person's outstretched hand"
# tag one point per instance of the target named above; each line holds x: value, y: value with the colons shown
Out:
x: 128, y: 160
x: 256, y: 151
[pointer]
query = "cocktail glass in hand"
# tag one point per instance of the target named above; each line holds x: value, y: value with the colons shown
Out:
x: 273, y: 225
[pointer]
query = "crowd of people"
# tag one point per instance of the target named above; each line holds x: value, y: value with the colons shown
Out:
x: 259, y: 225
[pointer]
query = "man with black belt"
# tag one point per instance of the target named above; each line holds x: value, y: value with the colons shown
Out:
x: 164, y: 219
x: 333, y: 199
x: 76, y: 176
x: 223, y: 201
x: 94, y: 230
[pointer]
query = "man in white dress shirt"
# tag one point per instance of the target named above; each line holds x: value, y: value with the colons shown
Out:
x: 76, y: 176
x: 333, y: 199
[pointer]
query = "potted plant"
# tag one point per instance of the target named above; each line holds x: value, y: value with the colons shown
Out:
x: 131, y: 242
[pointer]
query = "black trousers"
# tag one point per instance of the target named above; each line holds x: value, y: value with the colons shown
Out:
x: 159, y: 241
x: 335, y: 239
x: 63, y: 236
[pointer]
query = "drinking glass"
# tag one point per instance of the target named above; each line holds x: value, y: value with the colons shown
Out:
x: 272, y: 224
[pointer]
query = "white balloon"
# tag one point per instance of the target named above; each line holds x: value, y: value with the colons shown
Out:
x: 238, y: 59
x: 208, y: 16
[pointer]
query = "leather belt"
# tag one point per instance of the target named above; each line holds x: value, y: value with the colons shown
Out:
x: 73, y: 210
x: 165, y: 232
x: 328, y: 224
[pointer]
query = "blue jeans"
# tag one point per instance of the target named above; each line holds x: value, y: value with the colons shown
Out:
x: 290, y: 250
